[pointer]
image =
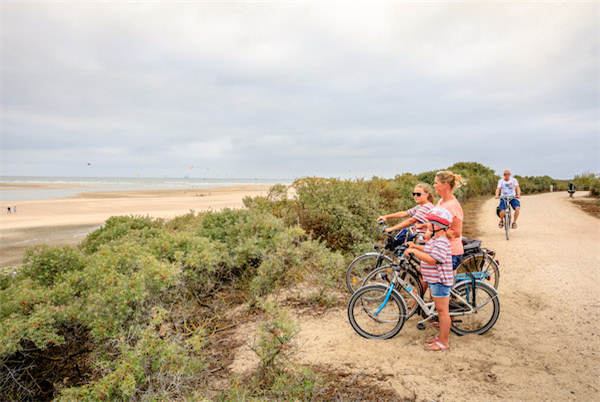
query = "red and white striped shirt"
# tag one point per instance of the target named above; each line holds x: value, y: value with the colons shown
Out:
x: 441, y: 272
x: 419, y: 213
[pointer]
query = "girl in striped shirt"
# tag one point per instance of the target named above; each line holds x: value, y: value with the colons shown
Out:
x: 423, y: 195
x: 436, y: 269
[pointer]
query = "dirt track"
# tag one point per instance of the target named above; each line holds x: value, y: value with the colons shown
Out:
x: 545, y: 345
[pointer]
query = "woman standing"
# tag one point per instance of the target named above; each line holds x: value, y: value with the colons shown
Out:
x: 445, y: 183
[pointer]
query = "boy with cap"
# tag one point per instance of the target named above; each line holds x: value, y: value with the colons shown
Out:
x: 436, y: 269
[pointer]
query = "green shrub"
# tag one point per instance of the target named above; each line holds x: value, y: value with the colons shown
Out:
x: 297, y: 259
x: 120, y: 226
x: 145, y: 363
x: 481, y: 180
x: 588, y: 181
x: 43, y: 263
x: 274, y: 342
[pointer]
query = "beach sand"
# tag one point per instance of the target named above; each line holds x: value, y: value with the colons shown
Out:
x: 69, y: 220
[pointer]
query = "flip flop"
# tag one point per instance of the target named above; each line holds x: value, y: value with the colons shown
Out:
x: 501, y: 225
x: 514, y: 225
x: 433, y: 339
x: 440, y: 347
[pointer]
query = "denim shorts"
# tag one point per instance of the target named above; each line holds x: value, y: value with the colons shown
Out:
x: 456, y: 261
x: 513, y: 203
x: 439, y: 290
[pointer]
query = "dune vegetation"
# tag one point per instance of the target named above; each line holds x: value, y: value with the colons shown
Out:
x: 139, y: 309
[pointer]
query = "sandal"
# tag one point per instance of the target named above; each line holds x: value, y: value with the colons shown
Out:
x: 431, y: 340
x: 437, y: 347
x: 501, y: 224
x: 514, y: 225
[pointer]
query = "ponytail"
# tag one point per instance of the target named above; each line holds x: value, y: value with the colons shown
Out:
x: 454, y: 180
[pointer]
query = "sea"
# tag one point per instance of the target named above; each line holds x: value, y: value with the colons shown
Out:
x: 78, y: 185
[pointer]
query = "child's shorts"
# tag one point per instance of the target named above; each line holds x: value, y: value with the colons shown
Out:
x: 439, y: 290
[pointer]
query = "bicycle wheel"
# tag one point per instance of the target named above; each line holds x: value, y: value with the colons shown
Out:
x: 481, y: 263
x: 385, y: 275
x: 507, y: 222
x: 362, y: 266
x: 374, y: 317
x: 483, y: 299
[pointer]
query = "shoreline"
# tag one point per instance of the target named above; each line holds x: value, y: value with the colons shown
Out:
x: 66, y: 221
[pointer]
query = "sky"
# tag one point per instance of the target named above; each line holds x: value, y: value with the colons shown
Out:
x: 276, y: 89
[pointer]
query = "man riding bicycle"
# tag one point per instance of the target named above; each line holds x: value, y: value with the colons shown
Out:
x: 508, y: 187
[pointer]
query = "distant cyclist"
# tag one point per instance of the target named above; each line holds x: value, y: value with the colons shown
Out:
x: 508, y: 187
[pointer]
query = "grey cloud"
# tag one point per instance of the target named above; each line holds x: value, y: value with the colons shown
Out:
x: 298, y: 88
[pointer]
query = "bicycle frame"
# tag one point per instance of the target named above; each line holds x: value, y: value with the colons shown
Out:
x: 507, y: 214
x: 429, y: 308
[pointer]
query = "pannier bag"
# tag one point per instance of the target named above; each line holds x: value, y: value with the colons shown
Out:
x: 473, y: 247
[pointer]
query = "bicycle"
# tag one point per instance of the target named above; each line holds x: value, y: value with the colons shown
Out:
x: 507, y: 214
x: 378, y: 311
x: 387, y: 255
x: 406, y: 271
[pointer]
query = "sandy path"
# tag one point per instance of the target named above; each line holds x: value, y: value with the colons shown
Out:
x: 545, y: 345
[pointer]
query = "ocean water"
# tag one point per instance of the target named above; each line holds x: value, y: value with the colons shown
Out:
x: 99, y: 184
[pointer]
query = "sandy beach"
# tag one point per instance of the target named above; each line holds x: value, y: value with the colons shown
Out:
x: 69, y: 220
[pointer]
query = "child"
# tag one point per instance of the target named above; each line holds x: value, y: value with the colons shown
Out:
x: 436, y: 268
x: 423, y: 195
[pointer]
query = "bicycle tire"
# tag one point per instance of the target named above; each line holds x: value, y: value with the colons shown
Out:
x: 385, y: 275
x: 362, y: 266
x: 481, y: 263
x: 507, y: 222
x: 371, y: 321
x: 484, y: 299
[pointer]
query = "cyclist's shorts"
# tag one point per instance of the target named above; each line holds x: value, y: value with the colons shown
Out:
x: 513, y: 203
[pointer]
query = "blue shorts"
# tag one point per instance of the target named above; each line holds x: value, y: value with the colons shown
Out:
x: 439, y: 290
x: 513, y: 203
x: 456, y: 261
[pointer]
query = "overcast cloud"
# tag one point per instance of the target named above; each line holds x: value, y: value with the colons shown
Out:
x: 286, y: 90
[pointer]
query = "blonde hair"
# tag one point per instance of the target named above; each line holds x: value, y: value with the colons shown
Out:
x: 428, y: 190
x: 454, y: 180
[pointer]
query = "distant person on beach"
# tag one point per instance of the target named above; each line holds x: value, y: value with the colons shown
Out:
x: 436, y: 269
x: 8, y: 211
x: 423, y: 196
x: 508, y: 187
x: 15, y: 209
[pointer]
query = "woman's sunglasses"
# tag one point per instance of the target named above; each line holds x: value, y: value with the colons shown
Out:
x: 417, y: 194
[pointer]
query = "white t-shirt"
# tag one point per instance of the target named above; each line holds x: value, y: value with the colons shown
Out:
x: 508, y: 188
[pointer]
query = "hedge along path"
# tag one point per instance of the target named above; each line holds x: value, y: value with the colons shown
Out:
x: 545, y: 345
